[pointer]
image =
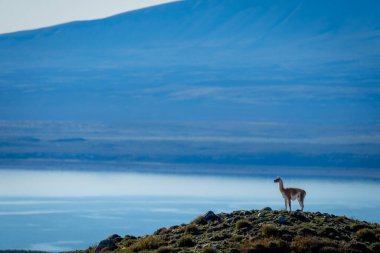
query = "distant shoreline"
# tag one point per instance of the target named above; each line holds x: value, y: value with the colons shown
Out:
x: 238, y: 171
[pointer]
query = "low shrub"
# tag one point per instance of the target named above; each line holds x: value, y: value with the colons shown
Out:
x: 165, y: 250
x: 328, y: 232
x: 329, y: 249
x: 265, y: 245
x: 375, y: 247
x: 311, y: 244
x: 307, y: 232
x: 243, y: 224
x: 357, y: 247
x: 192, y: 229
x: 269, y: 230
x: 209, y: 250
x: 161, y: 231
x: 199, y: 220
x: 147, y: 243
x: 366, y: 235
x: 186, y: 241
x: 237, y: 238
x: 357, y: 227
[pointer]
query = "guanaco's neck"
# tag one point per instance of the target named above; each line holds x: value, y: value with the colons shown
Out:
x: 281, y: 185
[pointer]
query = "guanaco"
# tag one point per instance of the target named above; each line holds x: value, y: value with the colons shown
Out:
x: 290, y: 194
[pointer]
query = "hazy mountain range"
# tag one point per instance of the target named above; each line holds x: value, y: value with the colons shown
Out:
x: 306, y: 72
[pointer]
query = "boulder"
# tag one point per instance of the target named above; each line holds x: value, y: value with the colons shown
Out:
x: 130, y: 237
x: 115, y: 238
x: 210, y: 216
x: 281, y: 219
x: 266, y: 209
x: 300, y: 216
x: 108, y: 244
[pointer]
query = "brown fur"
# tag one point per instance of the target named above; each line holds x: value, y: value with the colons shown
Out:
x: 290, y: 194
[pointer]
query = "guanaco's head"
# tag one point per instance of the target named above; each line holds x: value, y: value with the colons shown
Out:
x: 277, y: 179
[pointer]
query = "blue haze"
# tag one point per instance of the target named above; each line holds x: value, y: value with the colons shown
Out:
x: 246, y: 89
x: 296, y: 81
x: 201, y: 60
x: 68, y: 210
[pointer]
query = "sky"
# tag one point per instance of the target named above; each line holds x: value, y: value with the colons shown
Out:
x: 19, y: 15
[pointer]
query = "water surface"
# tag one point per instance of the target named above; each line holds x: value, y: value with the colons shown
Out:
x: 58, y: 210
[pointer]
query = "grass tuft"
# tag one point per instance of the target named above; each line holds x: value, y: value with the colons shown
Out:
x: 366, y: 235
x: 147, y: 243
x: 269, y: 230
x: 186, y: 241
x: 265, y: 245
x: 165, y: 250
x: 209, y: 250
x: 243, y: 224
x: 192, y: 229
x: 311, y: 244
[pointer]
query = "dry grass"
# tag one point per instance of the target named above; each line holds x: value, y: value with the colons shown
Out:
x: 311, y: 244
x: 148, y: 243
x: 265, y: 245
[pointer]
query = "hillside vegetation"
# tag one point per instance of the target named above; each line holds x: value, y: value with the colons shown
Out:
x: 254, y: 231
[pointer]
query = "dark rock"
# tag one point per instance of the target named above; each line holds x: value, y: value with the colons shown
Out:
x: 115, y: 238
x: 260, y: 215
x: 281, y: 219
x: 300, y: 216
x: 266, y: 209
x: 210, y: 216
x: 229, y: 215
x: 109, y: 243
x: 127, y: 237
x: 106, y: 244
x: 160, y: 231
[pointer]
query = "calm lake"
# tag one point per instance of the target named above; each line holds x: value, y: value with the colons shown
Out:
x: 60, y: 210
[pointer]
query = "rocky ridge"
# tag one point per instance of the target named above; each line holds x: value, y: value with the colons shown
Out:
x: 263, y: 230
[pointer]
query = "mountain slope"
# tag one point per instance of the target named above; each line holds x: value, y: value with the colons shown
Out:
x: 253, y: 60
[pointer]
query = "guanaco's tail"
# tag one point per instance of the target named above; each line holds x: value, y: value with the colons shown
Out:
x: 303, y: 195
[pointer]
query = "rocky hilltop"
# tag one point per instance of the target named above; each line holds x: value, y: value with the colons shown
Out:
x: 263, y: 230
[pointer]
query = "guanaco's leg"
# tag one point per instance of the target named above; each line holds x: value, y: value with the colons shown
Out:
x: 290, y: 204
x: 286, y: 205
x: 303, y: 194
x: 300, y: 202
